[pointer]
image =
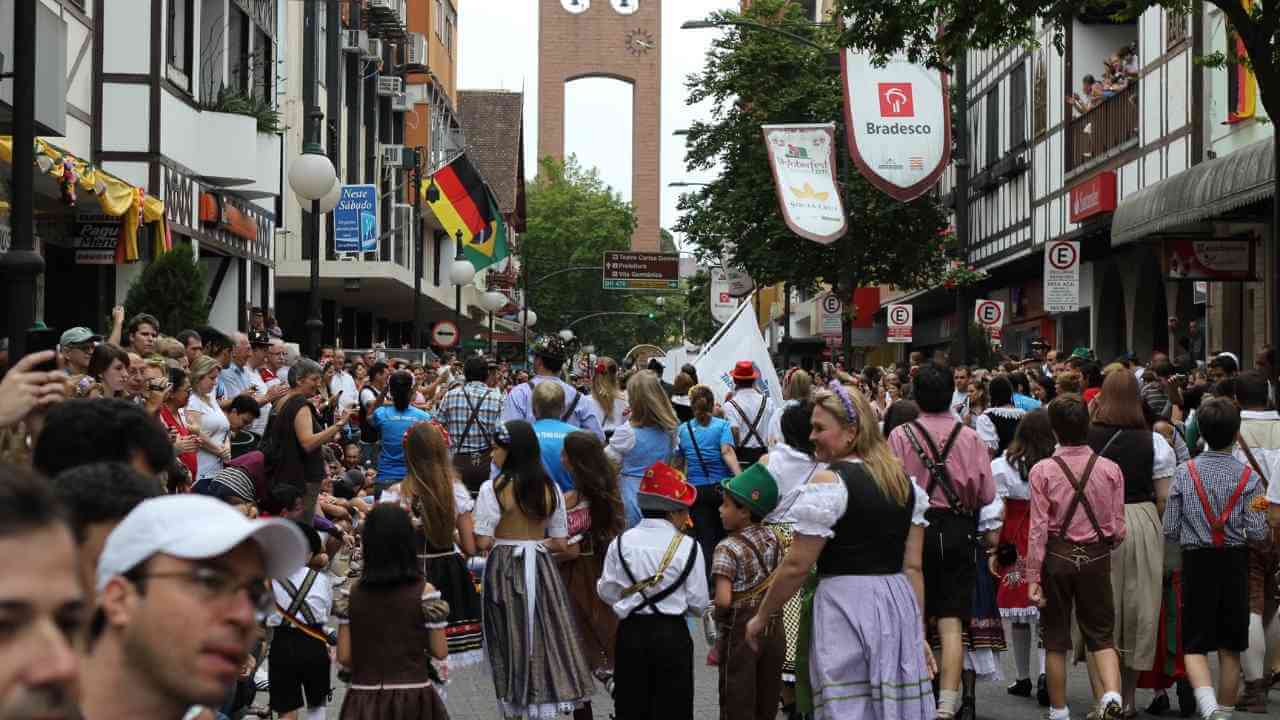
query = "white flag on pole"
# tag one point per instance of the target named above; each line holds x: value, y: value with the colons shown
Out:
x: 739, y: 339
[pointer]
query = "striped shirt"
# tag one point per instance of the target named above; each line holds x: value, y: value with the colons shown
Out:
x: 1185, y: 521
x: 455, y: 412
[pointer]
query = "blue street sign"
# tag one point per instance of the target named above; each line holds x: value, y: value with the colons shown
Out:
x: 355, y: 220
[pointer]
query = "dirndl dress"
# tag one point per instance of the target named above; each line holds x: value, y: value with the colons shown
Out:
x: 791, y: 611
x: 1011, y: 585
x: 1168, y: 667
x: 446, y: 570
x: 597, y: 623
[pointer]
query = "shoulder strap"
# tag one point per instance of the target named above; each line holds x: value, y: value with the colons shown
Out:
x: 1253, y: 462
x: 663, y: 594
x: 1107, y: 445
x: 1218, y: 522
x: 751, y: 426
x: 937, y: 468
x: 572, y: 406
x: 475, y: 413
x: 1079, y: 498
x: 298, y: 598
x: 696, y: 450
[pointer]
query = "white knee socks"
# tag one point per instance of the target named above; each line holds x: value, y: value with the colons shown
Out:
x: 1206, y: 701
x: 313, y: 713
x: 1021, y: 636
x: 948, y: 703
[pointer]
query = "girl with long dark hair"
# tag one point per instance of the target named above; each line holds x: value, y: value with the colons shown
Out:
x: 392, y: 422
x: 539, y: 669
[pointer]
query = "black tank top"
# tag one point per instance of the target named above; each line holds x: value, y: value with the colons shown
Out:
x: 872, y: 534
x: 1133, y: 452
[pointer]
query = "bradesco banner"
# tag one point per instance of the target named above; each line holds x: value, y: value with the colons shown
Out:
x: 899, y: 118
x: 803, y: 161
x: 355, y: 220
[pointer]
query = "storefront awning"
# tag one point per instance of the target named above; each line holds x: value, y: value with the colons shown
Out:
x: 1197, y: 193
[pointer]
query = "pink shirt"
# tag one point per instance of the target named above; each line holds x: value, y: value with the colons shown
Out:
x: 968, y: 463
x: 1051, y: 493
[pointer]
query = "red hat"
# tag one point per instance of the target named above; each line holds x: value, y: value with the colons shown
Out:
x: 664, y: 488
x: 744, y: 370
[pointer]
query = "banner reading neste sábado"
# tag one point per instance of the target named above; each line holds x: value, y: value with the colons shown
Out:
x: 803, y: 160
x: 899, y: 122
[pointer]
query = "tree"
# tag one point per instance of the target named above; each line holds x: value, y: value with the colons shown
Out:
x: 753, y: 78
x: 699, y: 326
x: 172, y: 288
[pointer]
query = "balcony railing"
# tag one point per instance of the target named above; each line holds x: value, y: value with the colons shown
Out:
x: 1107, y: 126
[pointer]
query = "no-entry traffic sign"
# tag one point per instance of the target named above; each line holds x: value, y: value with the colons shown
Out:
x: 900, y: 320
x: 1062, y: 276
x: 444, y: 334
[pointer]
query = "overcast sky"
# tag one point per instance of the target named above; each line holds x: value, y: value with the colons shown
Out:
x: 498, y: 48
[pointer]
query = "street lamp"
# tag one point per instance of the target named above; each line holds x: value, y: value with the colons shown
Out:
x: 330, y: 201
x: 492, y: 302
x: 462, y: 272
x: 312, y: 177
x: 566, y: 335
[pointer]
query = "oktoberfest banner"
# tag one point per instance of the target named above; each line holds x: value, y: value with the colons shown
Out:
x: 899, y: 123
x: 803, y: 160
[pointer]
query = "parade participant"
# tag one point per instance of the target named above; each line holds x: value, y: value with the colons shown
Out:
x: 956, y: 465
x: 998, y: 422
x: 539, y: 670
x: 549, y: 354
x: 743, y: 568
x: 1210, y: 511
x: 608, y: 401
x: 78, y: 432
x: 1076, y: 519
x: 298, y: 667
x: 1258, y: 446
x: 1118, y: 432
x: 595, y: 517
x: 391, y: 626
x: 392, y: 422
x: 707, y: 445
x: 179, y: 582
x: 860, y: 523
x: 979, y: 401
x: 647, y: 437
x: 441, y: 507
x: 206, y: 417
x: 44, y: 602
x: 470, y: 412
x: 749, y: 412
x: 1032, y: 442
x: 649, y: 578
x: 548, y: 407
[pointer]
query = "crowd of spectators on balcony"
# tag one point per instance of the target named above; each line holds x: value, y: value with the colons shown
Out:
x: 1120, y: 70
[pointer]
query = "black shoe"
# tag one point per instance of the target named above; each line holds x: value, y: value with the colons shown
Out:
x: 968, y: 710
x: 1022, y: 688
x: 1186, y: 699
x: 1042, y: 691
x: 1159, y: 705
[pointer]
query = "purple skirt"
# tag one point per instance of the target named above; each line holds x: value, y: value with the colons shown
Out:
x: 866, y: 658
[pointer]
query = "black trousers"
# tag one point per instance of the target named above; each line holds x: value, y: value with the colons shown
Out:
x: 708, y: 530
x: 653, y: 672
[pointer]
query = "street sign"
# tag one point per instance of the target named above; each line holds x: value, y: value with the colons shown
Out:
x: 1062, y: 276
x: 722, y: 302
x: 830, y: 321
x: 355, y: 220
x: 444, y: 334
x: 900, y: 321
x: 990, y: 315
x: 626, y: 270
x: 740, y: 284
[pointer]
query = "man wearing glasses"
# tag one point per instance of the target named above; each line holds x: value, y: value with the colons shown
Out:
x: 77, y: 345
x: 181, y: 585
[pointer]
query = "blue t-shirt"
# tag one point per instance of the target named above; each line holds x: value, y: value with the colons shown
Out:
x: 393, y: 424
x: 551, y: 434
x: 1025, y: 402
x: 709, y: 439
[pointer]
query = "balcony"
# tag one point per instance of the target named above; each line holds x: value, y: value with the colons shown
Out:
x: 1103, y: 131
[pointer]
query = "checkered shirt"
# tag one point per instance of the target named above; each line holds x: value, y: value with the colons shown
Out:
x: 454, y: 411
x: 734, y: 558
x: 1184, y: 517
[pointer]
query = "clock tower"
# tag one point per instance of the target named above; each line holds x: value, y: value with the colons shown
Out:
x: 617, y: 39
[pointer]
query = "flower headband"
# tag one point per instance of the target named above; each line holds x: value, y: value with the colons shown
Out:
x: 444, y: 432
x: 843, y: 394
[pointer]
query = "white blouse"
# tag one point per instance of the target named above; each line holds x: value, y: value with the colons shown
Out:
x: 791, y: 469
x: 488, y: 513
x: 462, y: 501
x: 614, y: 419
x: 821, y: 505
x: 215, y: 426
x: 1165, y: 461
x: 1009, y: 484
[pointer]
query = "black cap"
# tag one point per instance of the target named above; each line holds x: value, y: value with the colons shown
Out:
x: 259, y: 338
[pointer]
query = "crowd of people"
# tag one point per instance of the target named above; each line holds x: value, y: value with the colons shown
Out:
x: 1120, y: 70
x: 175, y: 515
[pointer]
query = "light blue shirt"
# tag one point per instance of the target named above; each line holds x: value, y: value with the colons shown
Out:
x: 1025, y: 402
x: 704, y: 465
x: 551, y: 434
x: 393, y: 424
x: 519, y: 405
x: 232, y: 381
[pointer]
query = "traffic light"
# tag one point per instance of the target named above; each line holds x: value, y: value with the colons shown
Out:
x: 652, y: 316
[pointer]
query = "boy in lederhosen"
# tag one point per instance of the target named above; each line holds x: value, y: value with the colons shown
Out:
x: 649, y: 580
x: 1077, y: 516
x: 1210, y: 514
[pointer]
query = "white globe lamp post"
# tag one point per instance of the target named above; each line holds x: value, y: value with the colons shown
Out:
x: 312, y: 177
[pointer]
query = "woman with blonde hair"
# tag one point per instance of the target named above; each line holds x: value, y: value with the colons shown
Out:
x: 797, y: 387
x: 608, y: 399
x: 861, y: 522
x: 209, y: 422
x: 648, y: 437
x: 440, y: 505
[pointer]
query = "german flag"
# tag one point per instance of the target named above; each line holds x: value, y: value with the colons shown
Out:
x: 1242, y: 86
x: 465, y: 203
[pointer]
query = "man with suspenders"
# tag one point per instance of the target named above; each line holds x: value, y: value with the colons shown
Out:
x: 549, y: 354
x: 470, y: 413
x: 649, y: 580
x: 748, y: 411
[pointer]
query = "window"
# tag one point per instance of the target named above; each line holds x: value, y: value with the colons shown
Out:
x: 993, y: 126
x: 439, y: 16
x: 1175, y: 28
x: 1040, y: 97
x: 450, y: 25
x: 264, y: 77
x: 1018, y: 106
x: 179, y: 25
x: 238, y: 50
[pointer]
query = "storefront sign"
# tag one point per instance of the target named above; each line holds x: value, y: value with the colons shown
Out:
x: 1093, y: 197
x: 1221, y: 260
x: 216, y: 210
x: 900, y: 321
x: 899, y: 117
x: 829, y: 315
x: 96, y: 238
x: 625, y: 270
x: 990, y: 315
x: 355, y: 220
x: 1062, y: 276
x: 722, y: 303
x: 803, y: 160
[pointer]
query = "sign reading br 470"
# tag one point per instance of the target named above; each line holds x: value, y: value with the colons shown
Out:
x: 627, y: 270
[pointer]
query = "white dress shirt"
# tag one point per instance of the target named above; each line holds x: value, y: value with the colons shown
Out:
x: 319, y: 597
x: 342, y: 381
x: 644, y: 546
x: 1260, y: 429
x: 749, y: 400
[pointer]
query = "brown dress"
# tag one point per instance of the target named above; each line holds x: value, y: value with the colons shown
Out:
x: 390, y: 661
x: 597, y: 623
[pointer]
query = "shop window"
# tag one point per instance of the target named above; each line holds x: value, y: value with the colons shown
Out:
x: 992, y: 120
x: 179, y: 27
x: 239, y: 50
x: 1018, y: 106
x: 1040, y: 97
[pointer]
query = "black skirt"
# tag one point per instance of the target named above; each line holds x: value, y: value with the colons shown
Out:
x: 447, y: 572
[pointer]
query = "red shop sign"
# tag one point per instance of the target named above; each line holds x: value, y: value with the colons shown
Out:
x: 1094, y: 196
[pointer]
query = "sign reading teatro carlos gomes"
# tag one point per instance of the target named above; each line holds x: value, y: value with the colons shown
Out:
x: 899, y: 122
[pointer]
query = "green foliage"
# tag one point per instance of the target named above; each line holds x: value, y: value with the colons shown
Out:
x: 235, y: 101
x: 699, y: 326
x: 172, y: 288
x: 981, y: 353
x: 752, y: 78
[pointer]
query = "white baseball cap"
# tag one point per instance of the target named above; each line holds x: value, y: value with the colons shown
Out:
x: 197, y: 527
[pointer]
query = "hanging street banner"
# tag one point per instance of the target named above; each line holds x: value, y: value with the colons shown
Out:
x: 1061, y: 276
x: 722, y: 302
x: 626, y: 270
x: 803, y: 161
x: 355, y: 220
x: 739, y: 339
x: 898, y: 121
x: 900, y: 317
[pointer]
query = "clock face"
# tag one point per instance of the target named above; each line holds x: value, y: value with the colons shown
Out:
x: 640, y: 41
x: 575, y: 6
x: 625, y: 7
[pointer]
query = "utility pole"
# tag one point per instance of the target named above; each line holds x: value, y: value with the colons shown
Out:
x: 961, y: 194
x: 418, y: 241
x: 311, y: 136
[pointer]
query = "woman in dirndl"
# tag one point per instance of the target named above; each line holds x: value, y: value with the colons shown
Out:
x: 1034, y: 441
x: 791, y: 463
x: 861, y: 523
x: 530, y: 637
x: 441, y: 509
